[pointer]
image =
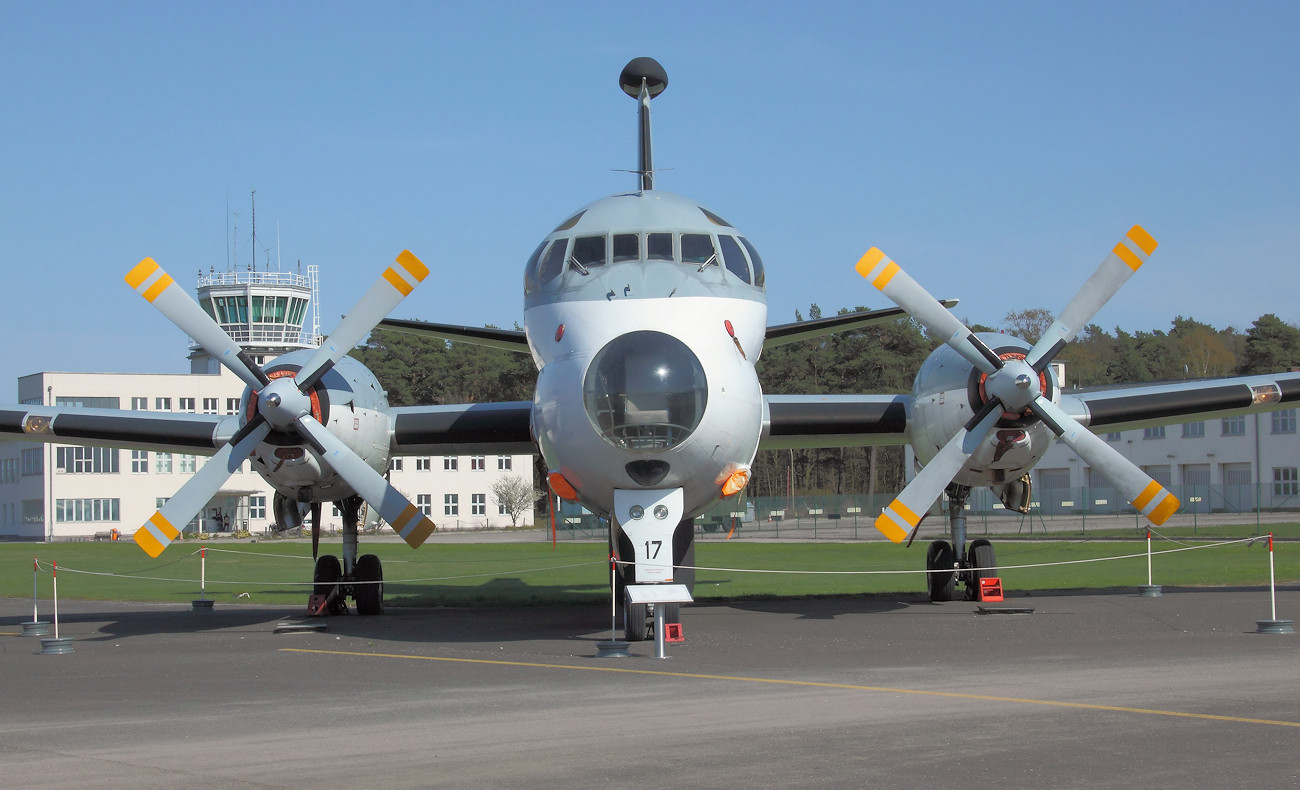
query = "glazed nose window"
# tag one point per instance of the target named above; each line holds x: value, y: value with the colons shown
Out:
x: 645, y: 391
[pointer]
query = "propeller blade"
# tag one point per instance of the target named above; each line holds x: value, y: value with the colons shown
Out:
x: 405, y: 519
x: 904, y: 513
x: 882, y: 272
x: 155, y: 285
x: 1136, y: 486
x: 387, y: 292
x: 160, y: 530
x: 1130, y: 253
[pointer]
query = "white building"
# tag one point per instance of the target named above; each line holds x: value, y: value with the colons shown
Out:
x: 54, y: 492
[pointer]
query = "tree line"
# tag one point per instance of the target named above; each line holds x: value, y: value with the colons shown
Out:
x: 879, y: 359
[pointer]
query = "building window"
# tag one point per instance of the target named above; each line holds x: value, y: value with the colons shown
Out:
x: 451, y: 504
x: 162, y: 404
x: 1284, y: 421
x: 187, y: 465
x: 424, y: 465
x: 478, y: 504
x: 503, y: 463
x: 88, y: 403
x: 87, y: 510
x: 450, y: 463
x: 257, y: 508
x: 33, y: 461
x: 140, y: 462
x: 1235, y: 425
x: 1158, y: 432
x: 9, y: 470
x: 209, y: 405
x: 187, y: 405
x: 139, y: 404
x: 395, y: 464
x: 1285, y: 481
x: 86, y: 460
x: 1193, y: 430
x: 1112, y: 437
x: 162, y: 463
x: 478, y: 463
x: 425, y: 503
x: 232, y: 405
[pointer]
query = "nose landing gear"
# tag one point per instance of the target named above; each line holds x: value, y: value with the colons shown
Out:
x: 360, y: 578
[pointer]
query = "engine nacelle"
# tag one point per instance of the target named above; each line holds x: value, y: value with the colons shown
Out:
x: 949, y: 391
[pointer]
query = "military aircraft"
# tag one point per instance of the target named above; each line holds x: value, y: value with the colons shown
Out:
x: 645, y: 314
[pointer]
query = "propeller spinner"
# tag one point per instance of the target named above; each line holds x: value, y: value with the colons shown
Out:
x: 1013, y: 386
x: 283, y: 404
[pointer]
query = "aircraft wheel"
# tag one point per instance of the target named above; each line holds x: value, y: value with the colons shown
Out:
x: 326, y: 579
x: 980, y: 555
x: 369, y: 597
x: 635, y: 627
x: 938, y: 558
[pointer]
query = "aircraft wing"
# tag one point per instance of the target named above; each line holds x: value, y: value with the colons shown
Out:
x: 200, y: 434
x: 463, y: 429
x: 798, y: 421
x: 1125, y: 408
x: 781, y: 334
x: 504, y: 339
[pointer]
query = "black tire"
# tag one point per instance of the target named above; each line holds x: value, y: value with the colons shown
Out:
x: 326, y: 578
x: 635, y: 626
x: 941, y: 585
x: 369, y: 596
x: 684, y: 555
x: 980, y: 555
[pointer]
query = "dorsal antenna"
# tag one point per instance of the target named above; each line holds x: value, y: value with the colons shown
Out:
x: 643, y: 79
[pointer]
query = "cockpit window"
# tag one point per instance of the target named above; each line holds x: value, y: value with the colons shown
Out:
x: 627, y: 247
x: 659, y: 246
x: 570, y: 222
x: 588, y: 252
x: 760, y: 277
x: 733, y: 258
x: 552, y: 262
x: 530, y: 269
x: 697, y: 248
x: 714, y: 218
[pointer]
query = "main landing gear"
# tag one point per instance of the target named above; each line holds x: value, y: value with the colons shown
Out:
x: 360, y: 578
x: 952, y: 563
x: 638, y: 618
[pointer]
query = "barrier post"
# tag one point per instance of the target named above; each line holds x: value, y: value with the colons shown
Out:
x: 36, y: 627
x: 1273, y: 626
x: 57, y: 645
x: 203, y: 604
x: 613, y: 647
x: 1150, y: 590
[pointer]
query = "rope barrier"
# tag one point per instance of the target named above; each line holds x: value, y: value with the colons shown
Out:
x: 135, y: 575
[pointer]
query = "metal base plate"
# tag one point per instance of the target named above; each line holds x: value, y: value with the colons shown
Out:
x: 1150, y: 591
x: 1274, y: 627
x: 612, y: 648
x: 299, y: 628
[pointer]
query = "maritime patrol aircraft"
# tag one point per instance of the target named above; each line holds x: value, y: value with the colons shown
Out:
x: 645, y: 313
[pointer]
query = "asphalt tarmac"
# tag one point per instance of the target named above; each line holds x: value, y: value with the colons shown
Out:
x: 1089, y: 691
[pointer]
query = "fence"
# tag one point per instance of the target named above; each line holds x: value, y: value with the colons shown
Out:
x: 852, y: 516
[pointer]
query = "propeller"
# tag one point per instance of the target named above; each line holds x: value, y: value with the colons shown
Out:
x: 283, y: 405
x: 1013, y: 386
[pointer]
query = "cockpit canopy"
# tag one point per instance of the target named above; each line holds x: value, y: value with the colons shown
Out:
x: 640, y: 227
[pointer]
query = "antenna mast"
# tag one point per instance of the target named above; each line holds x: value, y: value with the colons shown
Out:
x: 643, y: 79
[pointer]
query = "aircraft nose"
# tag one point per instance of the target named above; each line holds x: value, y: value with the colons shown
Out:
x: 646, y: 392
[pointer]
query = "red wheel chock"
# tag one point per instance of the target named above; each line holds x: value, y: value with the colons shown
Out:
x: 673, y: 632
x: 991, y: 589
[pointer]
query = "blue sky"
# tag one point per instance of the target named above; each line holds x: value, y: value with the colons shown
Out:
x: 997, y: 150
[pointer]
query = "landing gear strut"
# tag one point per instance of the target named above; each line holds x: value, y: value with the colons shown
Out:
x: 638, y: 618
x: 950, y: 563
x: 361, y: 578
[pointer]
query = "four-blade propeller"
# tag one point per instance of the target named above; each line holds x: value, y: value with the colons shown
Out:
x: 283, y: 404
x: 1014, y: 386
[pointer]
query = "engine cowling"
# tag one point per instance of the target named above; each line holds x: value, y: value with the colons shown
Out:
x: 949, y: 391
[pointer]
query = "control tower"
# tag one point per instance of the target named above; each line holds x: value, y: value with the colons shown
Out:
x: 264, y: 312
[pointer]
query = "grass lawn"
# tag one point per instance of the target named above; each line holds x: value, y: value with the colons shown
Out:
x: 532, y: 573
